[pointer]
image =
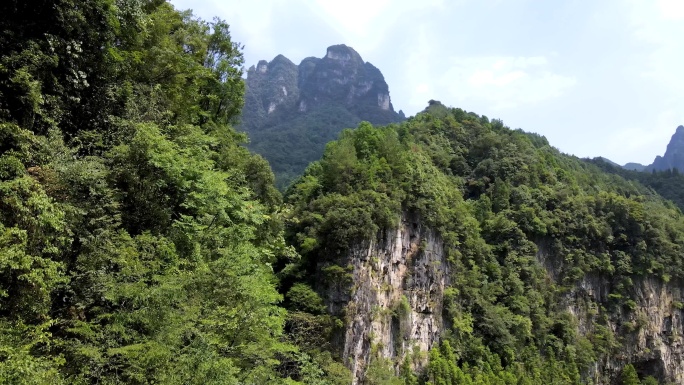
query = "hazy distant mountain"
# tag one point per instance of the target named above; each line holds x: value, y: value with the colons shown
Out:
x: 674, y: 155
x: 673, y: 158
x: 629, y: 166
x: 608, y: 161
x: 634, y: 166
x: 291, y: 111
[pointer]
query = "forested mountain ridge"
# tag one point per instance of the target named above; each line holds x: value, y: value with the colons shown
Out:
x: 668, y: 183
x: 291, y: 111
x: 484, y: 256
x: 663, y: 176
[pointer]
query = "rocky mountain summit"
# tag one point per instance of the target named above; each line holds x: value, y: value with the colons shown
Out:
x: 291, y: 111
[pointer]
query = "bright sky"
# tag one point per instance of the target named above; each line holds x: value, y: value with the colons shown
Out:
x: 597, y: 78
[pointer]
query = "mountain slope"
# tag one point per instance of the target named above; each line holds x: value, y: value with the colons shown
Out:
x: 455, y: 249
x: 662, y: 176
x: 292, y: 111
x: 141, y: 242
x: 668, y: 183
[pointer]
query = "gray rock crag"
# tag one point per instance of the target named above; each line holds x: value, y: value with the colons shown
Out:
x: 650, y: 334
x: 394, y: 307
x: 674, y: 155
x: 291, y: 111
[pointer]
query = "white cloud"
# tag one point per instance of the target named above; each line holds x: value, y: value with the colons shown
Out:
x: 366, y: 24
x: 642, y: 143
x: 353, y: 16
x: 657, y: 27
x: 417, y: 85
x: 671, y: 9
x: 488, y: 78
x: 503, y: 82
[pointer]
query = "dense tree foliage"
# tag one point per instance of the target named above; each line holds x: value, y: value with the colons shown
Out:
x: 136, y: 232
x: 299, y: 139
x: 669, y: 183
x: 504, y: 202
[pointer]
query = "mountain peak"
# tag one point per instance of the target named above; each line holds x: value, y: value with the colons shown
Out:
x: 342, y: 52
x: 674, y: 154
x: 342, y: 77
x: 281, y: 59
x: 291, y: 111
x: 262, y: 66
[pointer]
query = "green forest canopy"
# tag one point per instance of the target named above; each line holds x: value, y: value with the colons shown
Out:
x: 668, y: 183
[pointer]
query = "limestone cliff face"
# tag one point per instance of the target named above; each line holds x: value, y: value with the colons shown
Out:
x: 342, y: 76
x: 270, y: 86
x: 650, y: 333
x: 394, y: 307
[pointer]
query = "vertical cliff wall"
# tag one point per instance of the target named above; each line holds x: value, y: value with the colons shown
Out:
x: 555, y: 272
x: 394, y: 306
x: 649, y: 330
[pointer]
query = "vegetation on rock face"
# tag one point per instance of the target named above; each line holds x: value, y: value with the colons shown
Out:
x: 501, y: 200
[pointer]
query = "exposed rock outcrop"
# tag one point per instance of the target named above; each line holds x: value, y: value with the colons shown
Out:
x: 291, y: 111
x: 341, y: 77
x: 394, y: 307
x: 271, y: 85
x: 392, y: 304
x: 674, y: 155
x: 650, y: 330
